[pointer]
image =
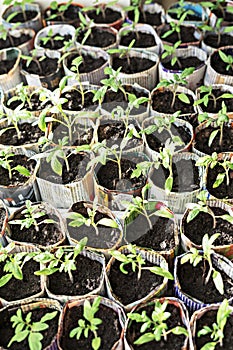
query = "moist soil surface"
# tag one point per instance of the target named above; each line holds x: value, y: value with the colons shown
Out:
x: 135, y: 65
x: 106, y: 238
x: 162, y: 102
x: 191, y: 280
x: 16, y: 41
x: 74, y: 102
x: 89, y: 63
x: 223, y: 190
x: 99, y: 37
x: 185, y: 176
x: 215, y: 107
x: 212, y: 40
x: 154, y: 19
x: 71, y: 13
x: 54, y: 44
x: 203, y: 135
x: 111, y: 16
x: 6, y: 66
x: 19, y: 289
x: 109, y: 330
x: 218, y: 65
x: 127, y: 287
x: 17, y: 178
x: 20, y: 17
x: 46, y: 67
x: 173, y: 342
x: 87, y: 277
x: 108, y: 176
x: 29, y: 134
x: 186, y: 62
x: 141, y: 39
x: 157, y: 140
x: 159, y: 238
x: 6, y: 331
x: 80, y: 135
x: 203, y: 224
x: 186, y: 33
x: 208, y: 319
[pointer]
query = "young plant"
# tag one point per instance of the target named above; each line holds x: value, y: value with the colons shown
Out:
x: 51, y: 38
x: 123, y: 52
x: 215, y: 6
x: 6, y: 159
x: 89, y: 323
x: 59, y: 10
x: 21, y: 3
x: 84, y: 29
x: 25, y: 328
x: 175, y: 27
x: 136, y: 262
x: 100, y: 8
x: 137, y: 6
x: 218, y: 29
x: 63, y: 259
x: 180, y: 10
x: 194, y: 257
x: 170, y: 51
x: 4, y: 34
x: 13, y: 121
x: 208, y: 95
x: 216, y: 331
x: 34, y: 58
x: 228, y: 59
x: 154, y: 327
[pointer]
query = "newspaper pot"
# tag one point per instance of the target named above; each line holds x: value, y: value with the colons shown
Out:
x: 34, y: 23
x: 99, y: 243
x: 71, y: 313
x: 220, y: 263
x: 188, y: 243
x: 199, y: 17
x: 16, y: 195
x: 210, y: 49
x: 151, y: 257
x: 177, y: 200
x: 113, y: 198
x: 116, y: 8
x: 27, y: 46
x: 212, y: 76
x: 11, y: 78
x: 64, y: 195
x: 146, y: 78
x: 74, y: 21
x: 58, y: 235
x: 94, y: 76
x: 4, y: 215
x: 36, y: 305
x: 131, y: 327
x: 50, y: 81
x: 153, y: 10
x: 179, y: 124
x: 23, y: 291
x: 142, y: 28
x: 194, y: 79
x: 225, y: 6
x: 57, y: 29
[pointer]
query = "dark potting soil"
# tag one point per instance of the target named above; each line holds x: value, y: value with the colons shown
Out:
x: 17, y: 178
x: 110, y: 323
x: 74, y: 102
x: 218, y: 65
x: 43, y: 68
x: 6, y: 66
x: 80, y: 135
x: 213, y: 41
x: 227, y: 16
x: 70, y: 13
x: 154, y: 19
x: 185, y: 176
x: 189, y: 17
x: 203, y: 224
x: 6, y: 331
x: 20, y: 17
x: 87, y: 276
x: 173, y: 342
x: 29, y: 134
x: 98, y: 37
x: 141, y: 39
x: 157, y: 140
x: 203, y: 135
x: 186, y: 34
x: 113, y: 133
x: 208, y: 319
x: 55, y: 44
x: 192, y: 282
x: 111, y: 16
x: 223, y: 190
x: 186, y: 62
x: 159, y: 238
x: 106, y: 238
x: 214, y: 106
x: 108, y: 176
x: 162, y: 101
x: 127, y: 287
x: 19, y: 289
x: 89, y: 63
x: 135, y: 64
x: 36, y: 104
x: 16, y: 41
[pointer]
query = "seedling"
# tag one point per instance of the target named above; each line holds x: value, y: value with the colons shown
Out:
x: 218, y: 5
x: 154, y: 327
x: 89, y: 323
x: 228, y: 59
x: 175, y: 27
x: 59, y: 9
x: 6, y: 158
x: 170, y: 51
x: 180, y: 10
x: 21, y: 3
x: 217, y: 29
x: 63, y: 259
x: 194, y: 257
x: 13, y: 121
x: 4, y: 34
x: 137, y: 6
x: 25, y: 328
x: 85, y: 27
x: 51, y: 38
x: 216, y: 331
x: 136, y: 262
x: 34, y: 58
x: 30, y: 216
x: 101, y: 8
x: 123, y: 52
x: 208, y: 95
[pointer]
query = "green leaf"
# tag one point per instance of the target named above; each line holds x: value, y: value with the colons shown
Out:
x: 220, y: 178
x: 218, y: 281
x: 22, y: 170
x: 49, y: 316
x: 19, y: 337
x: 5, y: 279
x: 145, y: 338
x: 212, y: 137
x: 168, y: 184
x: 161, y: 272
x: 192, y: 214
x: 34, y: 341
x: 227, y: 217
x: 180, y: 330
x: 108, y: 222
x: 184, y: 98
x: 96, y: 342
